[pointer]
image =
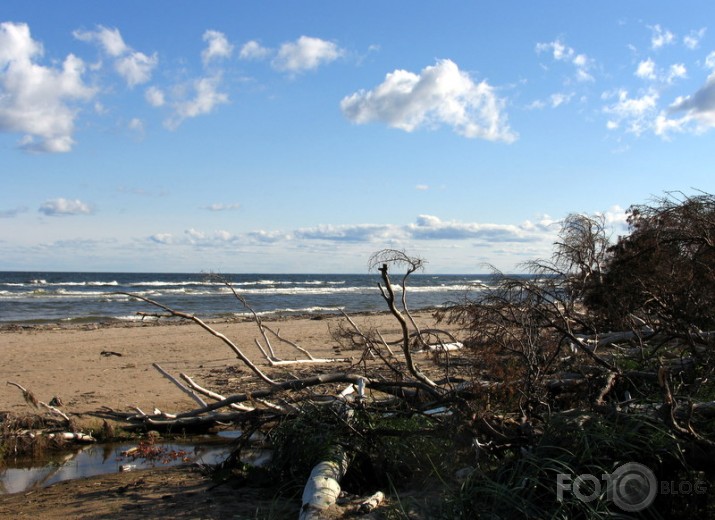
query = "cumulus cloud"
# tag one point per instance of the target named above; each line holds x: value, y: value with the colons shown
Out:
x: 440, y: 94
x: 306, y: 53
x: 676, y: 71
x: 647, y: 70
x: 253, y: 50
x: 660, y: 37
x: 561, y: 52
x: 195, y: 238
x: 429, y: 227
x: 134, y: 66
x: 202, y: 238
x: 36, y: 100
x: 616, y: 218
x: 206, y: 97
x: 217, y: 46
x: 268, y: 237
x: 636, y: 113
x: 155, y: 96
x: 560, y: 98
x: 347, y: 233
x: 64, y: 207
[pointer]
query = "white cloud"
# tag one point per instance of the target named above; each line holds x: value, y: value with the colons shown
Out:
x: 429, y: 227
x: 206, y: 98
x: 692, y: 39
x: 110, y: 40
x: 558, y: 49
x: 660, y: 37
x: 560, y: 98
x: 206, y: 239
x: 710, y: 60
x: 646, y: 69
x: 268, y: 237
x: 637, y: 113
x: 616, y: 218
x: 348, y: 233
x: 306, y: 53
x: 222, y: 207
x: 35, y: 100
x: 422, y: 187
x: 253, y: 50
x: 440, y: 94
x: 217, y: 47
x: 562, y: 52
x: 425, y: 228
x: 664, y: 125
x: 698, y: 109
x: 134, y: 66
x: 676, y: 71
x: 64, y: 207
x: 155, y: 96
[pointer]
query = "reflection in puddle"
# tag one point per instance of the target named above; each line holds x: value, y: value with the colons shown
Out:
x: 101, y: 459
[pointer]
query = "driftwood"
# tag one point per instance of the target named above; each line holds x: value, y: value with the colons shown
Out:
x: 323, y: 486
x: 368, y: 504
x: 33, y: 401
x: 388, y: 295
x: 178, y: 314
x: 179, y: 385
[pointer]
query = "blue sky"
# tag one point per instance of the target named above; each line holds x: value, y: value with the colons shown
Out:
x: 303, y: 136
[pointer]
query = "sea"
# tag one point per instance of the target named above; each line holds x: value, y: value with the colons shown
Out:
x: 45, y: 297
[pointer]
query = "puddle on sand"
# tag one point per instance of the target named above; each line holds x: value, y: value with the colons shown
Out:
x: 100, y: 459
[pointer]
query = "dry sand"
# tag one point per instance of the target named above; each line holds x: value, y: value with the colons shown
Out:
x: 67, y: 361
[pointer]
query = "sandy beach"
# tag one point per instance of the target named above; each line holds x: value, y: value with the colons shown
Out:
x: 79, y: 363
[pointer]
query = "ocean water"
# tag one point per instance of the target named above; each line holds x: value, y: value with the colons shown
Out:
x: 37, y: 297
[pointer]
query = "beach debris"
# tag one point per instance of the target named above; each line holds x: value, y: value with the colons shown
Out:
x: 323, y: 486
x: 26, y: 395
x: 370, y: 503
x: 110, y: 353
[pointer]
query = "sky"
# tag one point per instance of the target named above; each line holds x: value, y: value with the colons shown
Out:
x: 300, y: 137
